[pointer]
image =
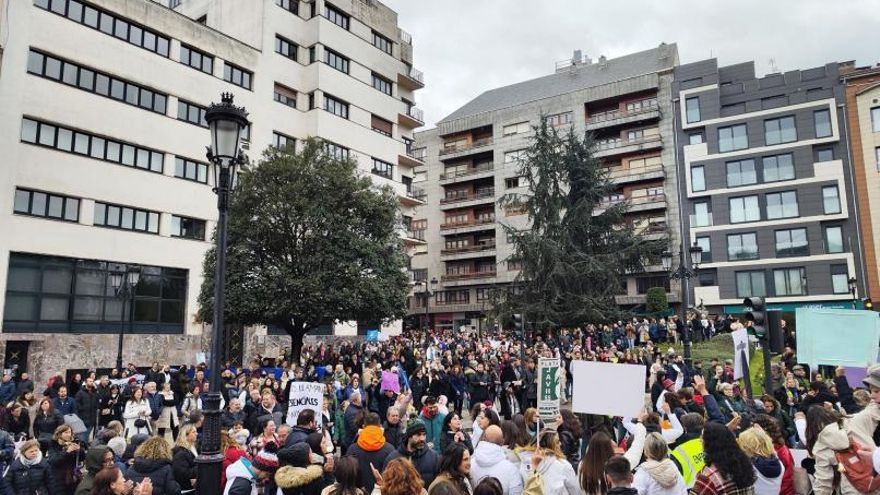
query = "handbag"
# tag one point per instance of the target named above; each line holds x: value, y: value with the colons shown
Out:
x: 140, y: 423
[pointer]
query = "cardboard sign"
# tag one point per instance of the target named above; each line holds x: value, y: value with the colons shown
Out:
x: 390, y: 381
x: 837, y: 337
x: 548, y: 387
x: 305, y: 395
x: 608, y: 389
x: 740, y: 352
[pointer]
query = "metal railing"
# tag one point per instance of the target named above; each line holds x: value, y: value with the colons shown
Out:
x: 471, y: 275
x: 469, y: 249
x: 478, y: 221
x: 468, y: 197
x: 405, y: 37
x: 416, y: 75
x: 418, y: 153
x: 416, y: 113
x: 620, y: 172
x: 477, y: 143
x: 619, y: 114
x: 416, y: 193
x: 610, y: 144
x: 470, y: 171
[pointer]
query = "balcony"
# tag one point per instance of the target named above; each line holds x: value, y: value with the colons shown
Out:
x: 413, y: 196
x: 620, y: 175
x: 412, y: 118
x: 467, y: 252
x: 466, y: 200
x: 466, y: 278
x: 621, y: 117
x: 413, y: 237
x: 475, y: 225
x: 648, y: 202
x: 463, y: 149
x: 471, y: 173
x: 412, y: 157
x: 406, y: 48
x: 412, y: 79
x: 612, y: 147
x: 653, y: 230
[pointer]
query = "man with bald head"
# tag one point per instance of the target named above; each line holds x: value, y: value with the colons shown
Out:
x: 490, y: 460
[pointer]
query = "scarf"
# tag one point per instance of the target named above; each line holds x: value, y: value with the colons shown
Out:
x: 426, y: 411
x: 28, y: 463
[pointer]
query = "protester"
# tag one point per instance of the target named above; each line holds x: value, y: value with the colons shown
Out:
x: 453, y: 433
x: 432, y: 418
x: 63, y: 460
x: 455, y: 467
x: 152, y: 460
x: 768, y: 468
x: 399, y: 478
x: 370, y: 449
x: 296, y: 474
x: 183, y: 457
x: 728, y: 469
x: 618, y: 476
x: 110, y: 481
x: 490, y: 461
x: 243, y: 475
x: 558, y: 475
x: 658, y: 474
x: 137, y: 415
x: 415, y: 449
x: 348, y: 478
x: 29, y: 472
x: 771, y: 427
x: 46, y: 422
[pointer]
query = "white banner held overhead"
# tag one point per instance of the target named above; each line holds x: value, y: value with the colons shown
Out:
x: 304, y: 395
x: 740, y: 344
x: 548, y: 387
x: 608, y: 389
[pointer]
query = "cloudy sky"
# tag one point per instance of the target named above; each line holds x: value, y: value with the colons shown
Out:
x: 465, y: 47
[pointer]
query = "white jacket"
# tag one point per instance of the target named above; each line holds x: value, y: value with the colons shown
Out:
x: 558, y: 475
x: 133, y: 412
x: 659, y: 478
x: 491, y: 460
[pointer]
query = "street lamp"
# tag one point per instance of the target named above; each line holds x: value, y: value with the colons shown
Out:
x: 124, y: 283
x: 428, y: 293
x: 226, y: 122
x: 852, y: 290
x: 684, y: 274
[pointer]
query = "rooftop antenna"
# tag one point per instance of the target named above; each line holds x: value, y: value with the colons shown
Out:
x: 773, y: 68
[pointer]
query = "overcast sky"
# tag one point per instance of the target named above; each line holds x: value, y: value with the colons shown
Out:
x: 466, y: 47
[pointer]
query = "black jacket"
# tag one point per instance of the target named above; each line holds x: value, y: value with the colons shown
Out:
x: 183, y: 463
x: 350, y: 430
x: 365, y: 458
x: 23, y: 480
x: 61, y: 466
x: 447, y: 438
x: 425, y: 460
x: 160, y: 473
x: 17, y: 426
x: 44, y: 426
x: 87, y: 406
x: 393, y: 434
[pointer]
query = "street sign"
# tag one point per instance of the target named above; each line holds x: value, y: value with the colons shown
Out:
x: 548, y: 387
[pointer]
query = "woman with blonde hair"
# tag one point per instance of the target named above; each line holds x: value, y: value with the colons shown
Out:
x: 758, y: 445
x: 557, y: 473
x: 232, y: 452
x: 168, y: 423
x: 658, y: 474
x: 183, y: 457
x: 152, y: 459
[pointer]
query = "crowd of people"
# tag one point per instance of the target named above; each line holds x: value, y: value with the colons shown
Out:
x: 446, y: 413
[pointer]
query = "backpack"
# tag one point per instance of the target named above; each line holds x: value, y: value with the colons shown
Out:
x: 858, y: 472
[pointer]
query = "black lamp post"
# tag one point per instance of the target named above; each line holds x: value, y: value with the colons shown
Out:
x: 124, y: 283
x: 427, y: 294
x: 684, y: 274
x: 852, y: 290
x: 226, y: 123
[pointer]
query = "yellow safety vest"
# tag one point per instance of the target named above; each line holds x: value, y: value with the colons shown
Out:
x: 691, y: 459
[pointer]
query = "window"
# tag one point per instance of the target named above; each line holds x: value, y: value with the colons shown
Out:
x: 778, y: 131
x: 732, y: 138
x: 336, y: 16
x: 839, y: 279
x: 383, y: 169
x: 695, y: 138
x: 559, y: 119
x: 701, y: 216
x: 706, y: 244
x: 513, y: 182
x: 750, y: 284
x: 461, y: 296
x: 285, y: 95
x: 831, y: 200
x: 126, y: 218
x: 742, y: 246
x: 822, y: 120
x: 790, y: 282
x: 336, y: 107
x: 236, y: 75
x: 196, y: 59
x: 514, y: 156
x: 382, y: 84
x: 383, y: 43
x: 188, y: 228
x: 744, y: 209
x: 741, y: 173
x: 289, y: 5
x: 782, y: 205
x: 40, y: 204
x: 192, y: 113
x: 692, y: 107
x: 827, y: 154
x: 875, y: 119
x: 108, y: 23
x: 286, y: 47
x: 779, y: 167
x: 834, y: 239
x: 698, y: 178
x: 81, y: 143
x: 484, y: 294
x: 93, y: 81
x: 518, y: 128
x: 282, y: 141
x: 645, y: 283
x: 335, y: 60
x: 336, y: 151
x: 381, y: 125
x: 792, y: 243
x: 190, y: 170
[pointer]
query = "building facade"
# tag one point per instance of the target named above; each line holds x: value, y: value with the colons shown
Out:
x: 767, y: 186
x: 102, y: 105
x: 472, y: 160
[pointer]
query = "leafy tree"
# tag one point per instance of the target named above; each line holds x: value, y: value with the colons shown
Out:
x: 655, y: 300
x: 578, y: 246
x: 311, y: 242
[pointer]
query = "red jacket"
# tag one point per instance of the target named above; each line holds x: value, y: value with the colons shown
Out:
x: 233, y: 454
x: 787, y: 460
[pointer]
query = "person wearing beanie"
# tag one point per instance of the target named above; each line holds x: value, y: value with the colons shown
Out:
x: 414, y: 447
x: 243, y: 474
x: 370, y: 448
x: 297, y: 475
x: 97, y: 458
x: 117, y: 446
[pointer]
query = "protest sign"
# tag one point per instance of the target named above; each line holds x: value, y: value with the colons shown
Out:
x: 608, y: 389
x: 390, y: 381
x: 837, y: 337
x: 548, y: 387
x: 304, y: 395
x: 740, y: 352
x: 372, y: 336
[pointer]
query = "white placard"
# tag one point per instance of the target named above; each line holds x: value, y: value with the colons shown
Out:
x: 608, y: 389
x: 740, y: 343
x: 305, y: 395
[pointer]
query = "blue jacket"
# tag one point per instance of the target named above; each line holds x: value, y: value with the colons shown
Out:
x: 433, y: 429
x: 65, y: 407
x: 7, y: 392
x: 155, y: 401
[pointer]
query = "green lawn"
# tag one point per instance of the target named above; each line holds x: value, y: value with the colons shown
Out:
x: 721, y: 347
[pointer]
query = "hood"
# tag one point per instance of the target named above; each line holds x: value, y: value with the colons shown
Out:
x: 834, y: 437
x: 488, y: 454
x: 293, y: 477
x: 95, y: 458
x: 663, y: 472
x: 240, y: 469
x: 371, y: 438
x: 147, y: 466
x: 768, y: 467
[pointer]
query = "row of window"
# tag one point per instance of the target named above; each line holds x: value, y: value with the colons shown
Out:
x: 788, y: 242
x: 286, y: 47
x: 238, y: 76
x: 40, y: 204
x: 282, y: 140
x: 336, y: 16
x: 108, y: 23
x: 190, y: 170
x: 335, y: 106
x: 383, y: 169
x: 91, y: 80
x: 778, y: 205
x: 776, y: 131
x: 342, y: 20
x: 786, y: 282
x: 744, y: 172
x: 284, y: 95
x: 192, y: 113
x: 196, y: 59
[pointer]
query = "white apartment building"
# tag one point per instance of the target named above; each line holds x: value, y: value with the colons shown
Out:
x: 102, y: 109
